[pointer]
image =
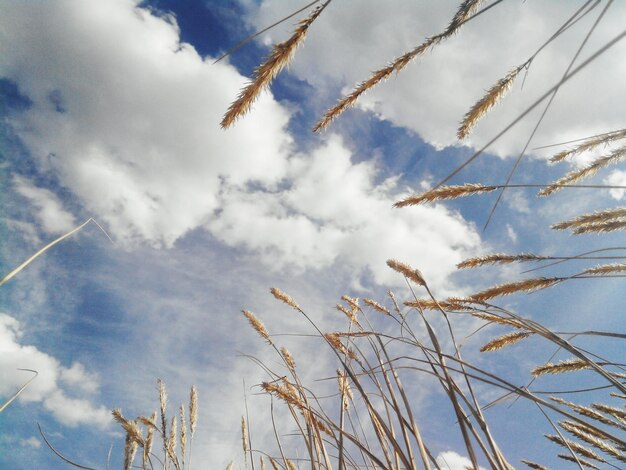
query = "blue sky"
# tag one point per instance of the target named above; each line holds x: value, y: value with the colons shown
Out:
x: 111, y: 110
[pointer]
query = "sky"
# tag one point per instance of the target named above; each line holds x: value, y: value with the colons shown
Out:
x: 111, y: 111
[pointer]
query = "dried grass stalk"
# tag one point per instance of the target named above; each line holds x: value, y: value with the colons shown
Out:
x: 604, y: 269
x: 585, y: 172
x: 288, y: 358
x: 570, y: 365
x: 193, y: 410
x: 445, y: 193
x: 491, y: 98
x: 430, y: 304
x: 130, y: 426
x: 589, y: 144
x: 575, y: 447
x: 280, y: 295
x: 505, y: 340
x: 407, y: 271
x: 534, y: 465
x: 602, y: 227
x: 593, y: 218
x: 498, y: 319
x: 344, y: 388
x: 351, y: 314
x: 376, y: 306
x: 583, y: 462
x: 147, y: 448
x: 281, y: 55
x: 497, y: 258
x: 244, y: 434
x: 392, y: 296
x: 611, y: 410
x: 589, y: 413
x: 464, y: 12
x: 183, y: 434
x: 527, y: 285
x: 592, y: 440
x: 335, y: 342
x: 257, y: 325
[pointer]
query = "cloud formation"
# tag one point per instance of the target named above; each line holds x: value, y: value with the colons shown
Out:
x: 46, y: 388
x: 126, y: 116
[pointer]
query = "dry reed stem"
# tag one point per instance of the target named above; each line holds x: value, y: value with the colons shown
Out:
x: 583, y: 462
x: 601, y: 227
x: 21, y: 389
x: 280, y: 295
x: 505, y: 340
x: 527, y: 285
x: 594, y: 441
x: 593, y: 218
x: 445, y: 193
x: 257, y: 325
x: 407, y: 271
x: 588, y: 412
x: 589, y: 144
x: 376, y: 306
x: 534, y: 465
x: 465, y: 10
x: 576, y: 447
x: 491, y: 98
x: 262, y: 462
x: 274, y: 464
x: 281, y: 55
x: 570, y: 365
x: 585, y: 172
x: 497, y: 258
x: 289, y: 360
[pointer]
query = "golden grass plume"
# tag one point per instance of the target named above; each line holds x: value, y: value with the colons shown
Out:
x: 505, y: 340
x: 589, y: 144
x: 445, y: 193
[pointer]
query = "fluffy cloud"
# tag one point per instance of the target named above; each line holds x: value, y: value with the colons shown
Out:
x: 46, y: 387
x: 431, y: 95
x: 333, y: 211
x: 450, y: 460
x: 616, y: 178
x: 127, y: 117
x: 52, y: 217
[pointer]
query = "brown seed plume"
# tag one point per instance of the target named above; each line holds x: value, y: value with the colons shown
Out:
x: 571, y: 365
x: 593, y: 218
x: 497, y: 319
x: 193, y: 410
x: 281, y: 55
x: 464, y: 12
x: 576, y: 447
x: 595, y: 441
x: 376, y: 306
x: 491, y: 98
x: 583, y: 462
x: 585, y: 172
x: 280, y: 295
x: 407, y: 271
x: 590, y: 144
x: 534, y: 465
x: 244, y: 435
x: 588, y: 412
x: 604, y: 269
x: 505, y: 340
x: 257, y: 325
x: 289, y: 360
x: 601, y: 227
x: 527, y: 285
x: 497, y: 258
x: 445, y: 193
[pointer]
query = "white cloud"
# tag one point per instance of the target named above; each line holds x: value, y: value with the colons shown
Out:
x: 450, y: 460
x: 333, y: 211
x: 31, y: 442
x: 138, y: 139
x: 431, y: 95
x: 52, y: 217
x: 45, y: 388
x: 616, y: 178
x: 138, y: 142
